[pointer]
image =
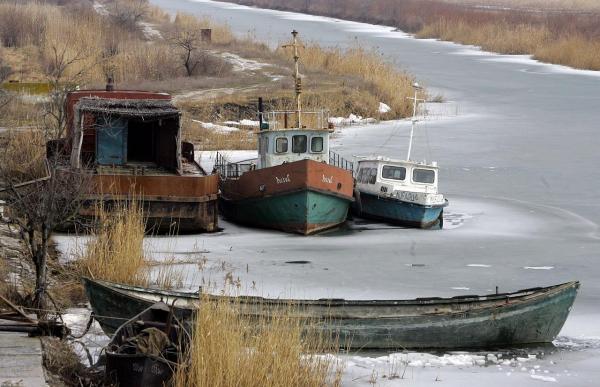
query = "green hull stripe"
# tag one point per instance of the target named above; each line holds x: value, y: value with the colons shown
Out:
x: 299, y: 211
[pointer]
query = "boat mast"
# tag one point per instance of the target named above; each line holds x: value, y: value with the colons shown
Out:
x: 414, y: 117
x: 297, y: 79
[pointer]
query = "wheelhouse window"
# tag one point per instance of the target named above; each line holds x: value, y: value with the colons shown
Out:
x: 299, y: 144
x: 426, y: 176
x: 394, y: 173
x: 281, y: 145
x: 316, y: 144
x: 363, y: 175
x: 373, y: 176
x: 359, y: 174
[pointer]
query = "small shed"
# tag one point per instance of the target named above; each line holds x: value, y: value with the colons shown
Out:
x: 122, y: 132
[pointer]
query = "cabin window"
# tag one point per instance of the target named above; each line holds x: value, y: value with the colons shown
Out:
x: 281, y: 145
x: 394, y: 173
x: 426, y: 176
x: 373, y: 176
x: 359, y: 175
x: 364, y: 175
x: 299, y: 143
x: 316, y: 144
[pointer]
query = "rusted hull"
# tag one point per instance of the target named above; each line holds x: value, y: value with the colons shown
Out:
x: 171, y: 203
x: 302, y: 197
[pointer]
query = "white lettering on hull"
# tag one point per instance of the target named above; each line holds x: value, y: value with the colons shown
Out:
x: 328, y: 179
x: 408, y: 196
x: 284, y: 179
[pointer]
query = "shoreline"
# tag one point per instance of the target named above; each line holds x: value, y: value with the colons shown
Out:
x: 253, y: 4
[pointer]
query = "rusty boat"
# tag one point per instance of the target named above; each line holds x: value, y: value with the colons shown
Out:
x: 296, y: 184
x: 130, y: 144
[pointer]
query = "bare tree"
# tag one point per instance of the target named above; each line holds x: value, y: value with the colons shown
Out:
x: 40, y: 195
x: 128, y: 13
x: 186, y: 38
x: 65, y: 67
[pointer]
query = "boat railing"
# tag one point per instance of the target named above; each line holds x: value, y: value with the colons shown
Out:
x: 336, y: 160
x: 232, y: 170
x: 288, y: 119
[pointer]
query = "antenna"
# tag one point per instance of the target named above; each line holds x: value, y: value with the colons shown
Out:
x: 415, y: 100
x: 297, y: 79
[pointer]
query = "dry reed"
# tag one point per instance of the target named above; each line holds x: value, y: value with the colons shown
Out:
x: 209, y: 139
x: 384, y: 81
x: 229, y: 350
x: 23, y: 156
x: 115, y: 251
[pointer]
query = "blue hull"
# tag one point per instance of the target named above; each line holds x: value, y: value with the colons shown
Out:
x: 399, y: 212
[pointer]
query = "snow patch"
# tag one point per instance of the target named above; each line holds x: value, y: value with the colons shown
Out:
x: 242, y: 64
x: 149, y: 31
x: 216, y: 128
x: 538, y: 267
x: 543, y: 378
x: 383, y: 108
x: 352, y: 119
x: 100, y: 8
x: 249, y: 123
x: 527, y: 60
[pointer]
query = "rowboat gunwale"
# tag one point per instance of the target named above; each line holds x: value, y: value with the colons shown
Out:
x: 508, y: 298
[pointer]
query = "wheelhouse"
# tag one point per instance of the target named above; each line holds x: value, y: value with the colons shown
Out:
x: 279, y: 142
x: 387, y: 175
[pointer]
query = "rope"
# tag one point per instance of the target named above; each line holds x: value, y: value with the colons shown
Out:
x: 392, y: 133
x: 87, y: 327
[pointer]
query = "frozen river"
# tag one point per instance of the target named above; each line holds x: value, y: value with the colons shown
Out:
x: 519, y: 165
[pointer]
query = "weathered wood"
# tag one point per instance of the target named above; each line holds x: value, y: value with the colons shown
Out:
x: 17, y: 309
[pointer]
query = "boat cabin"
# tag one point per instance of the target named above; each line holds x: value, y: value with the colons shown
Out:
x: 124, y: 131
x: 281, y: 140
x: 130, y: 144
x: 405, y: 180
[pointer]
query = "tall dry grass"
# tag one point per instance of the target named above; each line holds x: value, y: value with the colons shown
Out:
x: 221, y: 33
x: 94, y: 45
x: 558, y: 5
x: 208, y: 139
x: 381, y: 79
x: 22, y: 157
x: 115, y: 251
x: 519, y: 39
x: 229, y: 350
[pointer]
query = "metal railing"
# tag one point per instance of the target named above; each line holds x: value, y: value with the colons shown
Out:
x: 281, y: 120
x: 229, y: 170
x: 336, y: 160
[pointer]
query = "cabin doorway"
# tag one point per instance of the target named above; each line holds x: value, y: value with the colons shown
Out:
x: 141, y: 146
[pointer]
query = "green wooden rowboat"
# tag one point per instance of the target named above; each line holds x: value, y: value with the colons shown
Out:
x: 529, y: 316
